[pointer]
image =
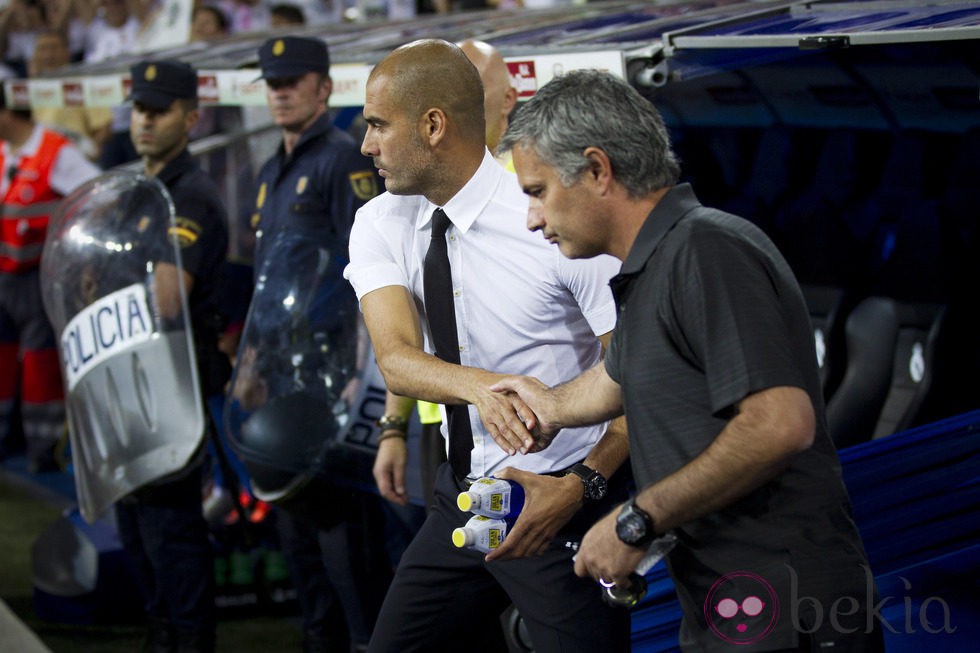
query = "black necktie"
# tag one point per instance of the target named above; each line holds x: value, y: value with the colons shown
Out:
x: 437, y: 285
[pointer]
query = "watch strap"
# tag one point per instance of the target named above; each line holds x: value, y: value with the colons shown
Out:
x: 590, y: 479
x: 581, y: 470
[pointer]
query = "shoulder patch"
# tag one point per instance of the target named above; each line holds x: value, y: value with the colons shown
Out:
x: 364, y: 184
x: 187, y: 231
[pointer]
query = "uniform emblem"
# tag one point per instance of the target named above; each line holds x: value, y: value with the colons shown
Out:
x: 254, y: 221
x: 278, y: 47
x: 301, y: 184
x: 187, y: 231
x: 143, y: 223
x: 260, y: 200
x: 151, y: 73
x: 364, y: 184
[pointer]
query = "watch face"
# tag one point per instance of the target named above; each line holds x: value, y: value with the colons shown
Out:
x: 630, y: 528
x: 634, y: 527
x: 594, y: 483
x: 595, y: 487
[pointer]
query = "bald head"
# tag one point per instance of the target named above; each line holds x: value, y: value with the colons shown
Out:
x: 435, y: 73
x: 423, y: 106
x: 499, y: 95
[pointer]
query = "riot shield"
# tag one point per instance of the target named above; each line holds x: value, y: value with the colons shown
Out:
x: 112, y: 283
x: 305, y: 391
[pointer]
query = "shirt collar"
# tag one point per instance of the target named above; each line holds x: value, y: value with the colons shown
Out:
x: 320, y: 126
x: 30, y: 146
x: 673, y: 206
x: 175, y: 167
x: 467, y: 204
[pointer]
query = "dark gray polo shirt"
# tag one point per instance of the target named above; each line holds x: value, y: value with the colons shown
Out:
x: 710, y: 312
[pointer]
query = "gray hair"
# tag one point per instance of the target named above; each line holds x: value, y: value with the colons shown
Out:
x: 589, y: 108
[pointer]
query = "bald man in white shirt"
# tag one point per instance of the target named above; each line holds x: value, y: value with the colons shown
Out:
x: 517, y: 306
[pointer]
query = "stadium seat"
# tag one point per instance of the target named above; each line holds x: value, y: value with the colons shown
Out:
x: 919, y: 325
x: 871, y: 332
x: 890, y: 364
x: 825, y: 303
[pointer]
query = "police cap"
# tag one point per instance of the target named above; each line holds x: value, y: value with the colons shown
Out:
x: 157, y: 84
x: 293, y: 56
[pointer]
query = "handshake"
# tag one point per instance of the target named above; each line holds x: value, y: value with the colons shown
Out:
x: 524, y: 415
x: 518, y: 414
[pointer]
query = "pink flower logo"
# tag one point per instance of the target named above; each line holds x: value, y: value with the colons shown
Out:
x: 741, y: 608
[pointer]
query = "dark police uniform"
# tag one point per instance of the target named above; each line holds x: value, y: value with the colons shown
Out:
x: 316, y: 188
x: 202, y: 233
x: 162, y: 526
x: 309, y: 197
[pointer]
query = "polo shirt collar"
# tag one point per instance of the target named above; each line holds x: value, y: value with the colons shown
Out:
x: 673, y: 206
x: 466, y: 205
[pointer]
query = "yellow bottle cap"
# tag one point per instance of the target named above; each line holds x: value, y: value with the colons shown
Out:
x: 461, y: 537
x: 464, y: 501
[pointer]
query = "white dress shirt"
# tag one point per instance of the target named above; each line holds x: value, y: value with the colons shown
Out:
x: 521, y: 307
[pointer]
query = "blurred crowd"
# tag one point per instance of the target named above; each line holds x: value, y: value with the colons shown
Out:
x: 39, y: 38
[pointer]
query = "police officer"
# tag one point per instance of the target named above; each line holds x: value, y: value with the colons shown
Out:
x: 313, y: 185
x: 317, y: 177
x: 162, y: 526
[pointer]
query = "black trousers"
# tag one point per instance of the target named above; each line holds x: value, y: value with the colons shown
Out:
x: 338, y: 569
x: 443, y: 597
x: 164, y: 534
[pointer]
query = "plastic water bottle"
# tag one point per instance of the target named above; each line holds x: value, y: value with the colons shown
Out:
x: 493, y: 497
x: 481, y: 534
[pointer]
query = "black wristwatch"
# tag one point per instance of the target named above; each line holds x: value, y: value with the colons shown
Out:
x: 593, y: 482
x: 634, y: 526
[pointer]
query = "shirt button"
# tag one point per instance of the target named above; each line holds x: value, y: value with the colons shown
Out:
x: 456, y: 293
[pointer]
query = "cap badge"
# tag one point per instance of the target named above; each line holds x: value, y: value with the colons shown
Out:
x: 151, y: 73
x: 278, y: 47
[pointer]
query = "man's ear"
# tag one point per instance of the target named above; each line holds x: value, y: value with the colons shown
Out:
x: 600, y: 167
x: 326, y: 88
x: 191, y: 118
x: 510, y: 100
x: 434, y: 125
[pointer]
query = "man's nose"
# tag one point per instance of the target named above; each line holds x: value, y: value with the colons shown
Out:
x: 535, y: 217
x: 367, y: 144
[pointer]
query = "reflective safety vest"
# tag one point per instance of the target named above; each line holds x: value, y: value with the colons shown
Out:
x: 28, y: 205
x: 429, y: 413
